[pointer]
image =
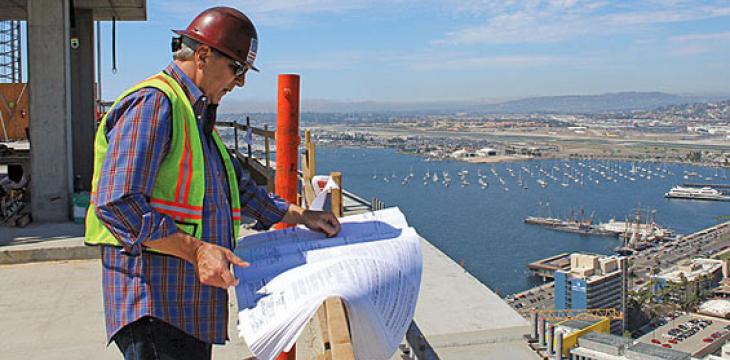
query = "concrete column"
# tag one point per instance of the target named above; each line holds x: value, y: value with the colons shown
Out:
x: 50, y: 110
x: 541, y: 332
x: 533, y: 326
x: 83, y: 122
x: 551, y: 339
x: 559, y: 346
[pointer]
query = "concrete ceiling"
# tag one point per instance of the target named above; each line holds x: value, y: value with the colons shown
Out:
x: 124, y: 10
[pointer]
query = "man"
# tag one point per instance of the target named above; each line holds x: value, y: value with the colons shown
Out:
x: 167, y: 197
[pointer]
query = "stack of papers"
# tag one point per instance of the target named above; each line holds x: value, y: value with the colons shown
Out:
x: 374, y: 265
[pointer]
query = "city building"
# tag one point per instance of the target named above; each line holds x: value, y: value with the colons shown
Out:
x: 545, y: 268
x: 598, y: 346
x: 716, y: 307
x: 723, y: 355
x: 574, y: 329
x: 592, y: 282
x: 689, y: 279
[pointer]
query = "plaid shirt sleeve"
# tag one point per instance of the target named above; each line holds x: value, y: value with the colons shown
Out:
x: 266, y: 208
x: 138, y: 130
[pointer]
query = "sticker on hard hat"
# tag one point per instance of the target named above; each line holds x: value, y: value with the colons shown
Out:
x: 252, y: 51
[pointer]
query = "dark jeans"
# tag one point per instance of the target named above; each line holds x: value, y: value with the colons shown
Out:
x: 152, y: 339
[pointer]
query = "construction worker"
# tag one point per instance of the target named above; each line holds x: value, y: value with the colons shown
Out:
x: 167, y: 198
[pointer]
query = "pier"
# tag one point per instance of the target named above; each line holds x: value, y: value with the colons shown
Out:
x: 546, y: 268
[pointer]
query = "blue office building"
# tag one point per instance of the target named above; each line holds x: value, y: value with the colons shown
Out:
x: 593, y: 282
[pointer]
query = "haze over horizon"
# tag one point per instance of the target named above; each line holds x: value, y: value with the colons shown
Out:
x: 407, y: 51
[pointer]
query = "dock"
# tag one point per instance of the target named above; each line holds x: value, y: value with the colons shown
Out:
x: 546, y: 268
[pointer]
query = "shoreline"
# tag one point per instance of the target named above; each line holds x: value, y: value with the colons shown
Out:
x: 518, y: 158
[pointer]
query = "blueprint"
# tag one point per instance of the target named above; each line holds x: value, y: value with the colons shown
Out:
x: 373, y: 264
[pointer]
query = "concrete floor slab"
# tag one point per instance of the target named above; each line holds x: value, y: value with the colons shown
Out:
x: 53, y: 310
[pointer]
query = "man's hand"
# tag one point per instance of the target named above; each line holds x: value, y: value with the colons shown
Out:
x: 211, y: 262
x: 212, y: 265
x: 321, y: 221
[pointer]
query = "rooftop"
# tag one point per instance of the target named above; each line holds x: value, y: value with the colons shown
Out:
x: 693, y: 344
x: 578, y: 324
x: 606, y: 339
x: 591, y: 267
x: 716, y: 307
x: 641, y: 351
x: 691, y: 270
x: 478, y: 323
x: 619, y: 348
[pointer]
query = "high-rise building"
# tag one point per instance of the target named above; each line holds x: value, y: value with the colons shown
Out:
x: 592, y: 282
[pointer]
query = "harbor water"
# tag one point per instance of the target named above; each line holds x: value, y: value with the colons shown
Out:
x: 484, y: 226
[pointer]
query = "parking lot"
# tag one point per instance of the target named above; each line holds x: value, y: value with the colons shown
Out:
x: 537, y: 298
x: 695, y: 334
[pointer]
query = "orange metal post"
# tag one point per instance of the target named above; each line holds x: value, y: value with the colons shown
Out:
x: 287, y: 138
x: 291, y: 355
x: 287, y: 146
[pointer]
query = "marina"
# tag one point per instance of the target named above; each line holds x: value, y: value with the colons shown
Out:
x: 490, y: 235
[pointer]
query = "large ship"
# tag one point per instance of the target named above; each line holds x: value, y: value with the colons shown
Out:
x: 705, y: 193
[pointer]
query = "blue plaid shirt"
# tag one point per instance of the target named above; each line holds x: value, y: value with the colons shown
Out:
x: 138, y: 283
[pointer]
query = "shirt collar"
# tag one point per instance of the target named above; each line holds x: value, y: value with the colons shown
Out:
x: 194, y: 94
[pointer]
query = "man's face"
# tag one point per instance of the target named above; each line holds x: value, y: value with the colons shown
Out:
x: 219, y: 77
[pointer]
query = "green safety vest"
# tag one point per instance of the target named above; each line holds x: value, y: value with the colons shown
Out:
x: 180, y: 183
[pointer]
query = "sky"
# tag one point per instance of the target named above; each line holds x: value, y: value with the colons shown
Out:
x: 449, y: 50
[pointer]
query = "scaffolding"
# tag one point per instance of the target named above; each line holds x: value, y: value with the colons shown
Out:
x: 10, y: 65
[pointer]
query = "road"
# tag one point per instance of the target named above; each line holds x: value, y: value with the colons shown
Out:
x: 669, y: 254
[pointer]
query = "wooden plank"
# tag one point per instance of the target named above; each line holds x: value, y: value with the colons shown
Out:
x: 307, y: 187
x: 336, y: 194
x: 308, y: 170
x: 338, y: 329
x: 323, y: 329
x: 311, y: 152
x: 342, y: 352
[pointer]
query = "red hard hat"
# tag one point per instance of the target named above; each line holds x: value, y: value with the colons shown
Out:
x: 226, y: 30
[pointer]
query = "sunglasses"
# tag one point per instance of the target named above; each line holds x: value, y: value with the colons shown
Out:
x: 239, y: 69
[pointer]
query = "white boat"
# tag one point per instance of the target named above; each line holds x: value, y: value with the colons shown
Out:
x: 705, y: 193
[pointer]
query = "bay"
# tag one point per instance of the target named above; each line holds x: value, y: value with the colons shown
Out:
x: 484, y: 227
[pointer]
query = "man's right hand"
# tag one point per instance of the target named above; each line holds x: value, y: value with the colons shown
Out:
x: 211, y: 262
x: 212, y: 265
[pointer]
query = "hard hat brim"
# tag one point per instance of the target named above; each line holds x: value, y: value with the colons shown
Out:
x: 207, y: 42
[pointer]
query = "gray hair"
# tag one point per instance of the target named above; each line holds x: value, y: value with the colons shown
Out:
x: 184, y: 53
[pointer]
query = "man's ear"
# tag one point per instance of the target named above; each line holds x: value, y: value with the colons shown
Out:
x: 202, y: 54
